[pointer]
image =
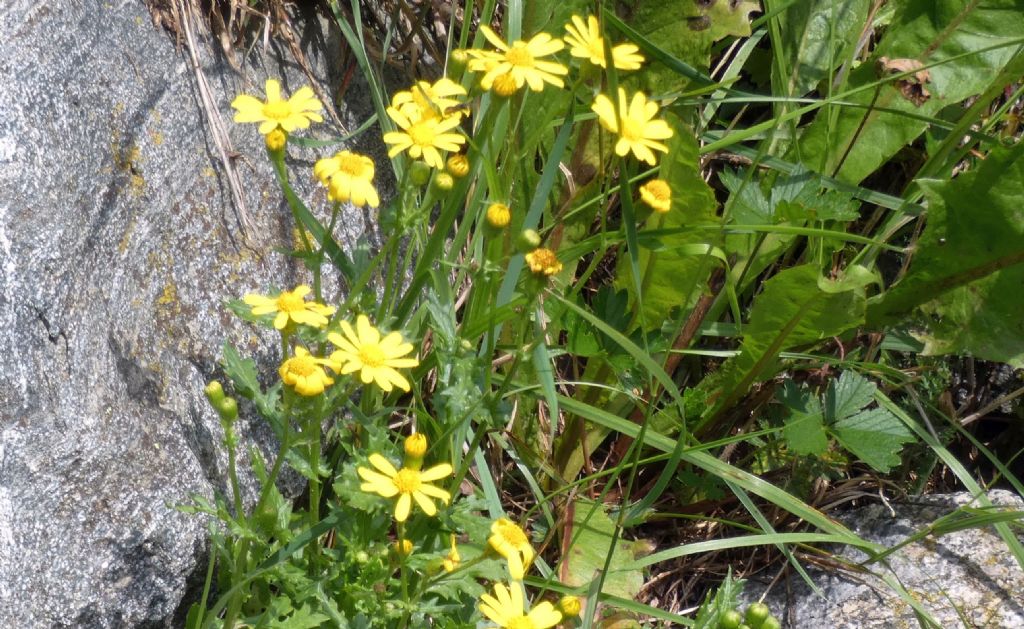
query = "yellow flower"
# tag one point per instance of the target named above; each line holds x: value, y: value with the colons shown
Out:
x: 586, y: 43
x: 422, y: 136
x: 348, y: 177
x: 570, y: 606
x: 657, y: 194
x: 458, y: 165
x: 452, y: 561
x: 510, y: 541
x: 543, y: 261
x: 521, y: 61
x: 507, y: 607
x: 405, y: 483
x: 634, y: 124
x: 304, y: 373
x: 415, y: 447
x: 440, y: 99
x: 294, y: 113
x: 290, y: 305
x: 402, y: 547
x: 376, y: 359
x: 499, y: 215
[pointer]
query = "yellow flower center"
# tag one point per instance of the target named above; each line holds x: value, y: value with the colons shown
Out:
x: 596, y: 48
x: 518, y: 55
x: 659, y: 190
x: 523, y: 622
x: 513, y: 535
x: 422, y: 134
x: 277, y: 110
x: 302, y: 366
x: 290, y: 302
x: 372, y: 355
x: 631, y: 129
x: 406, y: 480
x: 353, y: 165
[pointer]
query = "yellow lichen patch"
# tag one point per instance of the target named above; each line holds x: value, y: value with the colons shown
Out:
x: 169, y: 295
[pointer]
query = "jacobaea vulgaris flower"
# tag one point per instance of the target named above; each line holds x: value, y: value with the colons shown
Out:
x: 543, y: 261
x: 304, y: 373
x: 290, y: 306
x: 408, y: 484
x: 521, y: 61
x: 376, y: 359
x: 657, y: 194
x: 295, y: 113
x: 423, y: 135
x: 440, y: 99
x: 508, y: 609
x: 348, y: 177
x: 635, y: 125
x: 585, y: 41
x: 511, y: 542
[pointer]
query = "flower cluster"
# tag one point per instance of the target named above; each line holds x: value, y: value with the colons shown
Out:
x: 427, y: 115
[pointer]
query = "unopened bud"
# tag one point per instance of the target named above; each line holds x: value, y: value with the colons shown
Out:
x: 528, y: 240
x: 276, y: 140
x: 214, y: 392
x: 419, y: 173
x: 228, y: 409
x: 570, y: 606
x: 458, y: 165
x: 444, y: 182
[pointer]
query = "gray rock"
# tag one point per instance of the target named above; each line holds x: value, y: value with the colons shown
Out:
x: 964, y: 579
x: 118, y: 245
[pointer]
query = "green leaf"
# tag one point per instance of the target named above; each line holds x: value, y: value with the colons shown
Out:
x: 876, y: 436
x: 242, y: 372
x: 847, y: 395
x: 592, y: 540
x: 967, y: 270
x: 672, y: 276
x: 685, y: 31
x: 816, y: 37
x: 792, y: 311
x: 851, y: 142
x: 804, y: 430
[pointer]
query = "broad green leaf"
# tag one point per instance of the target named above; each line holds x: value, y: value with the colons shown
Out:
x: 792, y: 311
x: 592, y: 537
x: 852, y: 142
x: 673, y: 276
x: 816, y: 37
x: 967, y: 269
x: 876, y: 436
x: 847, y: 395
x: 685, y: 30
x: 805, y: 434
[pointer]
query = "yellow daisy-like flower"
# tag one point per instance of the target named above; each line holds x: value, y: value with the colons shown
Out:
x: 294, y: 113
x: 543, y: 261
x: 657, y: 194
x: 585, y: 41
x: 291, y: 306
x: 511, y: 542
x: 508, y: 609
x: 407, y: 484
x: 452, y: 561
x: 376, y: 359
x: 423, y: 136
x: 348, y: 177
x: 440, y: 99
x: 304, y: 372
x: 520, y: 60
x: 635, y: 125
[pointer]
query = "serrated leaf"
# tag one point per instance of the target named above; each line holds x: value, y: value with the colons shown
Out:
x: 876, y: 436
x: 242, y: 372
x: 805, y: 433
x: 847, y: 395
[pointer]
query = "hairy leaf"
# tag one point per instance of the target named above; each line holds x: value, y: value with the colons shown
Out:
x: 592, y: 531
x: 876, y: 436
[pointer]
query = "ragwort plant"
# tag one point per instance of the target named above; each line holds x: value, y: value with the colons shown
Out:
x: 529, y: 327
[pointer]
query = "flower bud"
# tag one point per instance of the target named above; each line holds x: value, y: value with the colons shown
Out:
x: 528, y: 240
x: 458, y: 59
x: 570, y: 606
x: 402, y: 548
x: 543, y: 262
x: 214, y: 393
x: 419, y: 173
x: 228, y: 409
x: 444, y: 182
x: 458, y: 165
x: 276, y: 140
x: 499, y: 215
x: 415, y: 448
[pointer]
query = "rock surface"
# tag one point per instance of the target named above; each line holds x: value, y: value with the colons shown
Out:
x: 119, y: 243
x: 964, y: 579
